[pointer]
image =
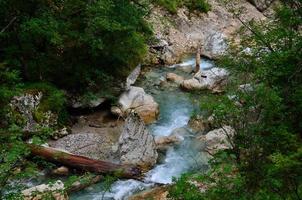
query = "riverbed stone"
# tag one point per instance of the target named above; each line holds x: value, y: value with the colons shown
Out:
x: 46, y: 191
x: 174, y: 78
x: 214, y: 79
x: 136, y: 143
x: 137, y: 100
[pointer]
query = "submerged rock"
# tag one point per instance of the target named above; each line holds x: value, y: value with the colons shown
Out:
x: 136, y: 143
x: 62, y: 171
x: 174, y: 78
x: 135, y: 99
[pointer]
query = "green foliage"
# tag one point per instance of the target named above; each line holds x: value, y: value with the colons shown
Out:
x: 193, y: 5
x: 75, y: 45
x: 266, y: 148
x: 184, y: 190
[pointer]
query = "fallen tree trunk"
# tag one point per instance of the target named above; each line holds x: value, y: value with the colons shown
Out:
x: 84, y: 163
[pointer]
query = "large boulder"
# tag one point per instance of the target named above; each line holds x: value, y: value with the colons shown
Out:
x: 136, y: 143
x: 92, y: 145
x: 218, y: 139
x: 214, y: 79
x: 135, y: 99
x: 46, y: 191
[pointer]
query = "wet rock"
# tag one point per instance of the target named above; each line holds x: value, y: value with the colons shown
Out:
x: 186, y: 68
x: 163, y: 143
x: 214, y: 79
x: 62, y: 171
x: 218, y: 139
x: 46, y: 191
x: 181, y: 132
x: 174, y: 78
x: 135, y: 99
x: 136, y: 143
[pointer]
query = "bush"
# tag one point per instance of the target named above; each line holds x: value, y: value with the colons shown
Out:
x: 198, y: 5
x: 192, y: 5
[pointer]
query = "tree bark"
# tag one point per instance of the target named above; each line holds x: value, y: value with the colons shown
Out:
x: 84, y: 163
x: 197, y: 67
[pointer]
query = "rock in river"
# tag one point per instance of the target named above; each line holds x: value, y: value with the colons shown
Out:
x: 136, y: 99
x: 136, y: 143
x: 213, y: 79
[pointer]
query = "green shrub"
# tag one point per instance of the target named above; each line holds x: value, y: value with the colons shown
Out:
x: 192, y: 5
x: 198, y: 5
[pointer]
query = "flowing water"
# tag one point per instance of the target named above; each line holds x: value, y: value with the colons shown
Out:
x: 176, y: 108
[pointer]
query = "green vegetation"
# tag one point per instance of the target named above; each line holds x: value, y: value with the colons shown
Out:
x: 192, y: 5
x: 265, y: 161
x: 82, y: 47
x: 75, y: 45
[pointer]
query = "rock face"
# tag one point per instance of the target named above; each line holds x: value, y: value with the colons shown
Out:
x: 213, y: 79
x: 26, y: 109
x: 136, y: 144
x: 26, y: 105
x: 135, y: 99
x: 46, y: 191
x: 181, y: 33
x: 218, y: 139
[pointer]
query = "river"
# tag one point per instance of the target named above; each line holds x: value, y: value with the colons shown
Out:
x: 176, y: 108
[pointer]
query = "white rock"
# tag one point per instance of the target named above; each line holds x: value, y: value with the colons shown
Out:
x: 218, y: 139
x: 135, y: 99
x: 36, y: 193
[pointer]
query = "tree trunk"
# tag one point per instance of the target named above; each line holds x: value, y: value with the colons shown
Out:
x: 84, y: 163
x: 197, y: 67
